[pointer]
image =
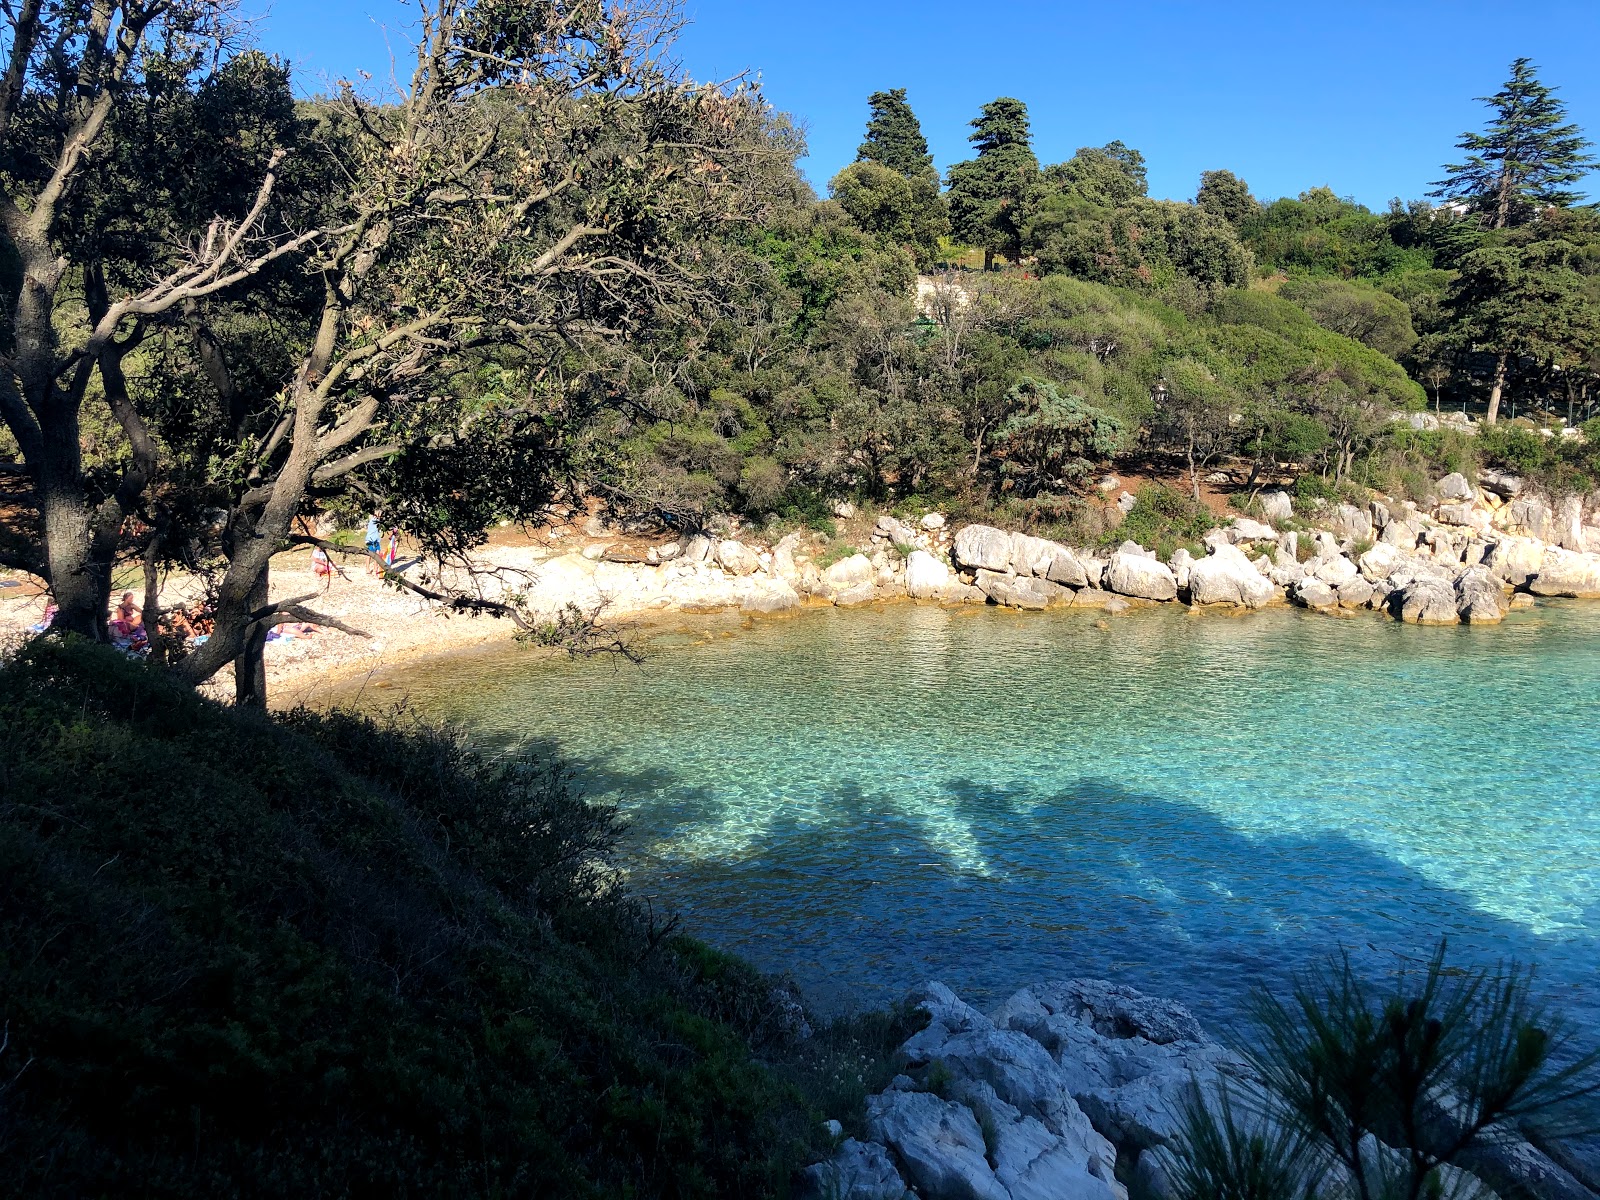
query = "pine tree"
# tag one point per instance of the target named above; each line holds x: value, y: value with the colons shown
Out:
x: 894, y: 137
x: 1524, y: 160
x: 987, y: 193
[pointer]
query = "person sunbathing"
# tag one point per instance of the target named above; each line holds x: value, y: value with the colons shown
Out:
x: 127, y: 622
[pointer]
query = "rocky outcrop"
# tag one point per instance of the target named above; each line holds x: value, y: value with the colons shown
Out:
x: 1565, y: 573
x: 926, y: 577
x: 1428, y: 601
x: 1066, y: 1089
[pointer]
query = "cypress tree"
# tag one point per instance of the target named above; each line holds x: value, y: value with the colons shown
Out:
x: 987, y: 194
x: 1524, y: 160
x: 894, y: 137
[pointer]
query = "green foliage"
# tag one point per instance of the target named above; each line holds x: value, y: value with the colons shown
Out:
x: 894, y: 138
x: 903, y: 210
x: 1052, y: 439
x: 1526, y: 158
x: 1436, y: 1063
x: 987, y: 194
x: 1372, y: 317
x: 318, y: 954
x: 1225, y: 195
x: 1163, y: 518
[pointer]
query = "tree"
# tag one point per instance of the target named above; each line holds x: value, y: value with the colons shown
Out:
x: 1520, y: 299
x: 1110, y: 175
x: 81, y: 301
x: 907, y: 211
x: 1224, y: 194
x: 1052, y: 439
x: 987, y: 194
x: 894, y: 137
x: 1359, y: 311
x: 1193, y: 414
x: 534, y: 190
x: 1524, y: 160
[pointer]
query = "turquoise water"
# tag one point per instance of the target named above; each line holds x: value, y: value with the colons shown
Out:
x: 1191, y: 804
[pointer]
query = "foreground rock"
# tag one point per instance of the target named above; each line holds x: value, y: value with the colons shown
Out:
x: 1144, y: 578
x: 1564, y: 573
x: 1227, y: 576
x: 1063, y: 1091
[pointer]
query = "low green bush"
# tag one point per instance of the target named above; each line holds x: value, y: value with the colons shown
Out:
x: 318, y: 954
x: 1163, y: 518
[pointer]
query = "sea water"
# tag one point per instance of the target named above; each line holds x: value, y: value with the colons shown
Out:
x: 1193, y: 804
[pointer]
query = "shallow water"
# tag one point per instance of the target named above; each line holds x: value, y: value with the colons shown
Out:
x: 1191, y: 804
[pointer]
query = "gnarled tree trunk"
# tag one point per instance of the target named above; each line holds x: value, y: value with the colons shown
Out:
x: 1496, y: 392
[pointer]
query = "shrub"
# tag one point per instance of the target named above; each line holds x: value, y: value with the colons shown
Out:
x: 1163, y: 518
x: 321, y: 954
x: 1522, y: 451
x: 1438, y: 1063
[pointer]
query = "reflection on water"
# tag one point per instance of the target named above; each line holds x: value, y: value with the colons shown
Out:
x: 1191, y: 803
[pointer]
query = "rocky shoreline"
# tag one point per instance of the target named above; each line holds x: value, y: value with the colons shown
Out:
x: 1471, y: 554
x: 1072, y: 1090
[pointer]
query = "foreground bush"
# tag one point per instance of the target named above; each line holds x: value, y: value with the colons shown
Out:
x: 317, y: 955
x: 1440, y: 1067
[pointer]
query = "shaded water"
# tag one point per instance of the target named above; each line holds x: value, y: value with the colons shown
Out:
x: 1188, y: 804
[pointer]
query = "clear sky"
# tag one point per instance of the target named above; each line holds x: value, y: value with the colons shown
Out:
x: 1366, y: 97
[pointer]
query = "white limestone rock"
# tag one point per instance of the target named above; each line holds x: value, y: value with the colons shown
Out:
x: 926, y: 577
x: 1565, y: 573
x: 983, y: 547
x: 1145, y: 578
x: 1227, y: 576
x: 736, y: 558
x: 857, y: 1171
x: 848, y: 572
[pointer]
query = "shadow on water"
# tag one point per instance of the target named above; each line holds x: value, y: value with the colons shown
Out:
x: 1092, y: 880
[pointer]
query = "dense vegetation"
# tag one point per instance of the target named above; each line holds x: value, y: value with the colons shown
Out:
x: 317, y: 955
x: 555, y: 269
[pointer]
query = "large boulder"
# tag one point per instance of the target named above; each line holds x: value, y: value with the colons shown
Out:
x: 1378, y: 562
x: 1565, y: 573
x: 1246, y: 530
x: 1350, y: 523
x: 1145, y: 578
x: 1277, y: 506
x: 1480, y: 598
x: 1500, y: 483
x: 1022, y: 591
x: 848, y: 572
x: 1067, y: 569
x: 939, y: 1143
x: 983, y: 547
x: 770, y: 596
x: 736, y: 558
x: 1428, y: 601
x: 1311, y: 592
x: 857, y: 1171
x: 926, y: 577
x: 1400, y: 534
x: 1334, y: 570
x: 1355, y: 593
x: 1227, y: 576
x: 1515, y: 559
x: 1568, y: 530
x: 855, y: 596
x: 1454, y: 486
x: 1528, y: 515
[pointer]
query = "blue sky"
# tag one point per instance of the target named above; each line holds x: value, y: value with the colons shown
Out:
x: 1365, y: 97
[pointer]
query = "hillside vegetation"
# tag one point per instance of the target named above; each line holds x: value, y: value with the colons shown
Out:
x: 316, y: 955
